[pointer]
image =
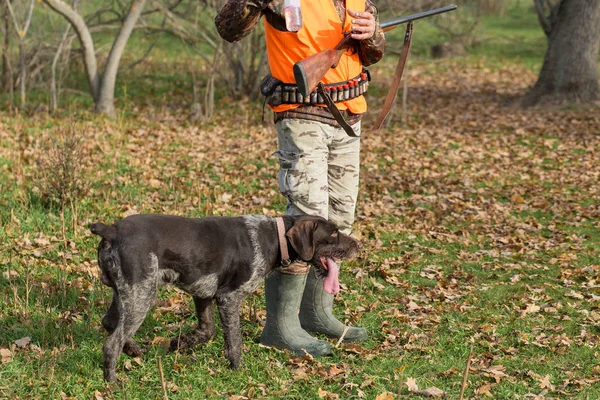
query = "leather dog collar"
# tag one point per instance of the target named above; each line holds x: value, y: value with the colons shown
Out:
x: 285, y: 257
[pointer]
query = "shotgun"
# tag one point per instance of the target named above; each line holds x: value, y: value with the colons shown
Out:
x: 310, y: 71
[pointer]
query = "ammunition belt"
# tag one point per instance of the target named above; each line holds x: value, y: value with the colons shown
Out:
x: 316, y: 113
x: 277, y: 92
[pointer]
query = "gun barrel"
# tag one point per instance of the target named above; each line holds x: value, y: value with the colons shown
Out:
x: 424, y: 14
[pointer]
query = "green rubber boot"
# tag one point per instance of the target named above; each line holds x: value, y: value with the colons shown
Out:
x: 283, y: 293
x: 316, y: 312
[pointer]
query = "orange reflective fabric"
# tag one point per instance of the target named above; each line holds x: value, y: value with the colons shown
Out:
x: 321, y: 30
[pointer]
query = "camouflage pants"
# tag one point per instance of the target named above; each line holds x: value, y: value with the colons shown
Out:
x: 318, y: 170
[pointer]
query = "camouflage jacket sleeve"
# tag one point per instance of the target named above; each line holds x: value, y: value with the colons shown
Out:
x: 371, y: 50
x: 237, y: 18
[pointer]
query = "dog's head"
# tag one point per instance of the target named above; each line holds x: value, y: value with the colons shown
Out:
x: 318, y: 241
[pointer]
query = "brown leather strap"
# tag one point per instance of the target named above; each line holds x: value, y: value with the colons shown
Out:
x: 285, y: 256
x: 334, y: 110
x: 391, y: 95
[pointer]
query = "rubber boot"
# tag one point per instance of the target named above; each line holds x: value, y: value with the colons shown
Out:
x: 316, y: 312
x: 283, y: 293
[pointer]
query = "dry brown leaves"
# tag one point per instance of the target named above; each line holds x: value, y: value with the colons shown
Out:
x: 466, y: 169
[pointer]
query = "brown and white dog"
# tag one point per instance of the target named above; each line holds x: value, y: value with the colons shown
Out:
x: 213, y: 258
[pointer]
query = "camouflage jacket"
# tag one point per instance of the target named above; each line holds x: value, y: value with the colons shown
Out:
x: 238, y: 17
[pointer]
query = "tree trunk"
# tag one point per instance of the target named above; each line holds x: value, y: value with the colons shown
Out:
x: 570, y: 69
x: 22, y: 73
x: 106, y: 98
x: 106, y: 104
x: 53, y: 86
x: 102, y: 86
x: 21, y: 32
x: 6, y: 70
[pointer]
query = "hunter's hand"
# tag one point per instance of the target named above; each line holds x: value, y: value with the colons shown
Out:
x: 363, y: 24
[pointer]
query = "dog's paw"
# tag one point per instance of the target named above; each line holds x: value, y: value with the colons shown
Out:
x: 132, y: 349
x: 235, y: 364
x: 179, y: 343
x: 190, y: 340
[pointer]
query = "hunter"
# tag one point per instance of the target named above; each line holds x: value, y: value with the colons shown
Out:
x: 319, y: 161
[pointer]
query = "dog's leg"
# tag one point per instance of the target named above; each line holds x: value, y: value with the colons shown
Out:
x: 133, y: 304
x: 206, y: 318
x: 229, y: 311
x: 205, y: 329
x: 110, y: 321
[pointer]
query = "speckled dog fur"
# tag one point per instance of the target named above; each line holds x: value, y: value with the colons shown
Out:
x: 213, y: 258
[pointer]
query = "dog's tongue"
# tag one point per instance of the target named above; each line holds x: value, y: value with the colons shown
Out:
x: 331, y: 283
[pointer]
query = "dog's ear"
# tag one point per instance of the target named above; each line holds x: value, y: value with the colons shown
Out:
x: 324, y: 229
x: 301, y: 237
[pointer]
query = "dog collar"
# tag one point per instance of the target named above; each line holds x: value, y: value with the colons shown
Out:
x: 285, y: 257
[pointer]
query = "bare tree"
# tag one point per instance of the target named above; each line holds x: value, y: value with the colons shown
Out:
x: 570, y: 69
x: 241, y: 66
x: 53, y: 86
x: 21, y: 32
x: 247, y: 63
x: 102, y: 84
x: 7, y: 81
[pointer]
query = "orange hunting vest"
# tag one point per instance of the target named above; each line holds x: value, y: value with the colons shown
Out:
x: 321, y: 30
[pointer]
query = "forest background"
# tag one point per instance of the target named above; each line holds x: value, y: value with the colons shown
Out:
x: 479, y: 208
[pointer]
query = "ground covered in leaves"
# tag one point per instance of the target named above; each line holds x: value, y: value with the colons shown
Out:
x: 480, y: 224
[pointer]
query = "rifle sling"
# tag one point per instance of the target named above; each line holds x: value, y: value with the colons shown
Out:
x: 334, y: 110
x: 389, y: 98
x: 391, y: 95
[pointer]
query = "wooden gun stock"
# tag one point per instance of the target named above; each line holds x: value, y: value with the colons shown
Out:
x: 310, y: 71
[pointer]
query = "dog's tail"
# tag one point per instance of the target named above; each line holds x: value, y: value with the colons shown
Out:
x: 106, y: 232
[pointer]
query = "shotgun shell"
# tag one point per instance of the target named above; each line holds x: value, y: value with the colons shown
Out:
x: 293, y: 96
x: 320, y: 97
x: 341, y: 93
x: 346, y: 91
x: 277, y: 96
x: 299, y: 97
x: 313, y: 97
x: 333, y: 92
x: 286, y: 95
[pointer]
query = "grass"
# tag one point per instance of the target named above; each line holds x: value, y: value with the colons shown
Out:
x: 480, y: 227
x: 515, y: 36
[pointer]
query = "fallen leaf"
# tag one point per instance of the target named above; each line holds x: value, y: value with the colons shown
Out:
x: 412, y: 384
x: 530, y: 309
x: 575, y: 295
x: 324, y: 394
x: 5, y: 355
x: 545, y: 383
x: 377, y: 285
x: 432, y: 392
x: 412, y: 306
x: 23, y: 342
x: 485, y: 390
